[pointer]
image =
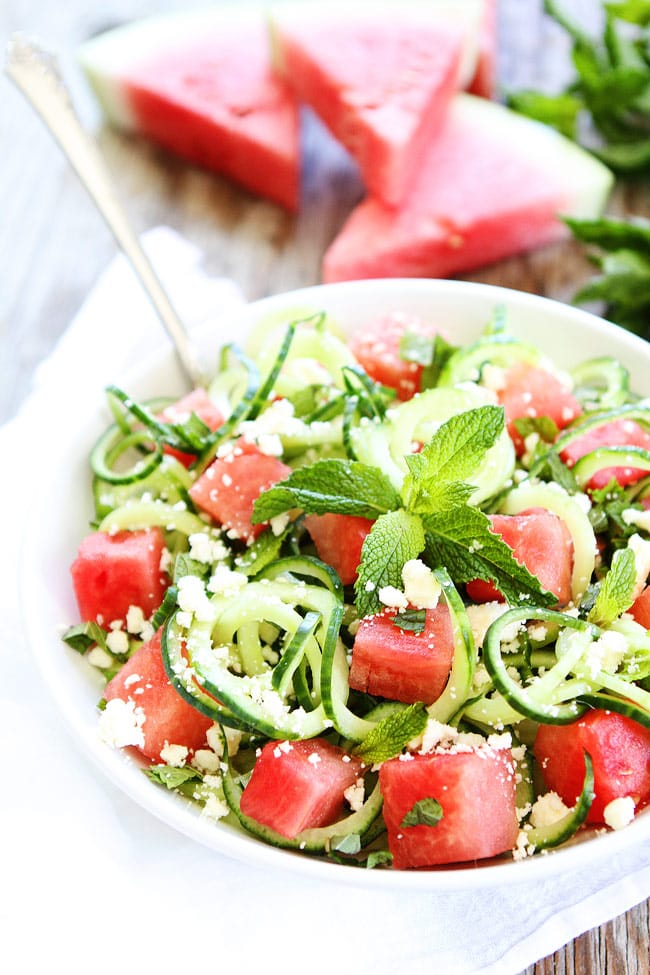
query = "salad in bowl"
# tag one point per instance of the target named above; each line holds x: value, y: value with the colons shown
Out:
x: 376, y: 595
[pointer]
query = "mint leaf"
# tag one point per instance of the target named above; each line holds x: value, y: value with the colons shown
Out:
x: 425, y: 812
x: 615, y: 593
x: 82, y: 636
x: 545, y: 428
x: 391, y: 735
x: 379, y: 858
x: 171, y: 777
x: 413, y: 620
x: 350, y: 843
x: 395, y: 538
x: 343, y: 487
x: 451, y: 457
x: 461, y: 540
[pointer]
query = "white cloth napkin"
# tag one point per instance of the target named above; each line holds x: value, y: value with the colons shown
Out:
x: 92, y: 881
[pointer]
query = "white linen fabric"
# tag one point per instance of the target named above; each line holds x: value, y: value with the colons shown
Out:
x: 93, y: 882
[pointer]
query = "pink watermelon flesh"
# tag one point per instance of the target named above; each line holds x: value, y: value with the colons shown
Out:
x: 484, y: 82
x: 381, y: 86
x: 491, y: 185
x: 213, y: 100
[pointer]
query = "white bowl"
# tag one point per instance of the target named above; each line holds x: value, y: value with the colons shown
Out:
x: 461, y: 309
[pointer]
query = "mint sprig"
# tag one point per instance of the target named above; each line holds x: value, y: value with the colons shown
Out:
x: 615, y: 593
x: 394, y: 539
x: 425, y: 812
x: 338, y: 486
x: 392, y: 734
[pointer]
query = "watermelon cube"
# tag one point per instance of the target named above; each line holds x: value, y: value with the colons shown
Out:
x: 531, y: 391
x: 298, y: 785
x: 403, y: 665
x: 114, y: 571
x: 475, y: 788
x: 168, y: 718
x: 490, y: 185
x: 620, y: 752
x: 339, y: 540
x: 229, y: 487
x: 615, y: 433
x: 377, y: 347
x: 200, y: 84
x: 540, y: 540
x: 381, y: 81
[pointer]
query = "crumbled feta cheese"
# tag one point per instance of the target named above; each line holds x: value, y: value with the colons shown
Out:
x: 205, y: 549
x: 279, y: 523
x: 98, y: 657
x: 355, y: 795
x: 192, y: 598
x: 117, y: 642
x: 619, y: 812
x: 120, y: 724
x: 214, y: 808
x: 607, y: 652
x: 639, y: 518
x: 481, y: 617
x: 390, y: 596
x: 314, y: 758
x: 226, y: 581
x: 547, y: 810
x: 421, y: 588
x: 233, y: 739
x: 135, y: 620
x: 205, y: 760
x: 174, y: 755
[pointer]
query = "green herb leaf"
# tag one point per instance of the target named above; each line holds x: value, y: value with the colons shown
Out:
x: 392, y: 734
x: 338, y: 486
x: 425, y: 812
x: 450, y: 458
x: 350, y: 844
x: 615, y: 594
x: 82, y: 636
x: 172, y: 777
x: 379, y: 858
x: 461, y: 540
x: 413, y: 620
x: 394, y: 539
x: 545, y: 428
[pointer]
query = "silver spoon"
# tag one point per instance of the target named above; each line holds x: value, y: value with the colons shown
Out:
x: 36, y: 72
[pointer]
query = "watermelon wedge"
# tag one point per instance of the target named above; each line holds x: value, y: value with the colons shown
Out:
x: 380, y: 77
x: 491, y: 185
x: 200, y: 85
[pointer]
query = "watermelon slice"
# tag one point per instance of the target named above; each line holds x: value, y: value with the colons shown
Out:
x: 379, y: 77
x: 491, y: 185
x: 200, y: 84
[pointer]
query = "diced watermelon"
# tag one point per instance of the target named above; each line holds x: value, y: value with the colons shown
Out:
x: 168, y: 718
x: 540, y: 540
x: 620, y: 752
x: 532, y: 391
x: 298, y: 785
x: 490, y: 185
x: 113, y: 572
x: 200, y: 84
x: 640, y: 608
x: 615, y: 433
x: 476, y: 790
x: 339, y: 540
x: 484, y: 81
x: 380, y: 83
x: 403, y: 665
x: 229, y: 487
x: 197, y: 401
x: 377, y: 348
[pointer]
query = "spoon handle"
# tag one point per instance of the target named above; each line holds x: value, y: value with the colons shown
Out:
x: 36, y: 73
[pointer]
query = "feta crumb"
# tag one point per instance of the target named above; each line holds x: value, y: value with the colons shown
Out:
x: 619, y: 812
x: 639, y: 518
x: 226, y: 582
x: 355, y: 794
x: 390, y: 596
x: 117, y: 642
x: 135, y: 620
x: 641, y: 549
x: 214, y: 808
x: 279, y: 523
x: 547, y: 810
x: 314, y: 758
x: 192, y: 598
x: 205, y: 760
x: 481, y: 617
x: 174, y: 755
x: 205, y: 549
x: 421, y: 588
x: 98, y: 657
x: 120, y: 724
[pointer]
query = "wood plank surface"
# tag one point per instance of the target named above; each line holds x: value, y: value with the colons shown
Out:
x: 53, y: 245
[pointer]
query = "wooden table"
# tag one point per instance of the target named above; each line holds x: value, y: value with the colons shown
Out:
x: 53, y: 245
